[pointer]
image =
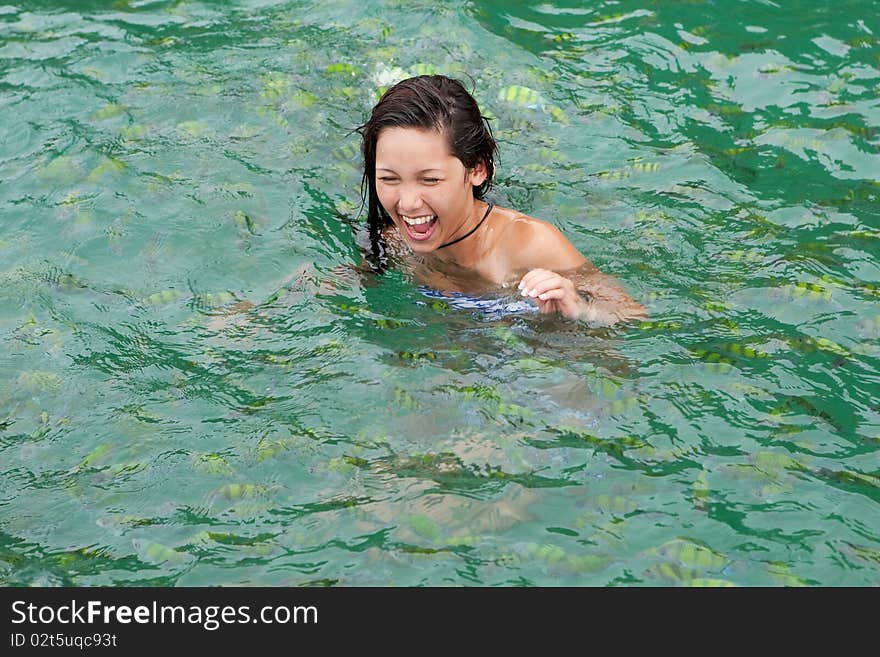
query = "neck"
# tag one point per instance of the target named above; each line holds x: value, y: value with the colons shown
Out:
x: 467, y: 240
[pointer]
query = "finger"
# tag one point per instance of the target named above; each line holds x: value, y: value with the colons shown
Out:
x: 540, y: 282
x: 552, y: 282
x: 531, y: 277
x: 555, y: 293
x: 547, y: 307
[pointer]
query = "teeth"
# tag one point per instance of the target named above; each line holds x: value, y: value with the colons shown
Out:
x: 416, y: 221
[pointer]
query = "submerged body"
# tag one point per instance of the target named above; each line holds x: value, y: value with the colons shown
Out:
x: 429, y: 158
x: 594, y: 297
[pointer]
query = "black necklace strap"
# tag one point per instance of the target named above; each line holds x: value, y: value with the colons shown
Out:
x: 471, y: 231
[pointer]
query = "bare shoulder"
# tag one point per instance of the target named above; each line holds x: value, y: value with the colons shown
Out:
x: 530, y: 243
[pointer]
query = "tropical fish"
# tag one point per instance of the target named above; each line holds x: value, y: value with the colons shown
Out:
x: 424, y: 69
x: 519, y: 95
x: 701, y: 491
x: 656, y: 296
x: 348, y: 152
x: 725, y: 110
x: 799, y: 403
x: 742, y: 255
x: 782, y: 574
x: 40, y: 380
x: 644, y: 167
x: 456, y: 541
x: 386, y: 76
x: 617, y: 505
x: 690, y: 554
x: 331, y: 346
x: 245, y: 222
x: 157, y: 553
x: 810, y: 344
x: 716, y: 306
x: 605, y: 386
x: 772, y: 463
x: 714, y: 361
x: 95, y: 456
x: 871, y: 289
x: 732, y: 152
x: 545, y: 552
x: 801, y: 289
x: 659, y: 325
x: 39, y: 433
x: 403, y: 399
x: 862, y: 41
x: 863, y: 234
x: 274, y: 86
x: 614, y: 446
x: 301, y: 99
x: 864, y: 552
x: 710, y: 582
x: 163, y: 41
x: 621, y: 406
x: 118, y: 523
x: 162, y: 298
x: 674, y: 572
x: 513, y: 411
x: 72, y: 560
x: 342, y: 465
x: 557, y: 114
x: 342, y: 69
x: 389, y: 323
x: 213, y: 299
x: 619, y: 174
x: 728, y: 323
x: 417, y: 355
x: 193, y: 128
x: 850, y: 477
x: 212, y: 464
x: 267, y: 449
x: 106, y: 165
x: 226, y: 538
x: 423, y: 526
x: 586, y: 563
x: 743, y: 350
x: 109, y: 111
x: 537, y: 167
x: 63, y: 169
x: 238, y: 189
x: 65, y: 282
x: 234, y: 492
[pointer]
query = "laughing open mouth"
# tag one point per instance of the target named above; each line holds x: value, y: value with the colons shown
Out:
x: 420, y: 228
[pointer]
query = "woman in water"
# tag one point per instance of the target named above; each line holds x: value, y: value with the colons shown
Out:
x: 428, y: 162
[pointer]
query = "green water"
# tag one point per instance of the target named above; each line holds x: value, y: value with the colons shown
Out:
x: 182, y: 404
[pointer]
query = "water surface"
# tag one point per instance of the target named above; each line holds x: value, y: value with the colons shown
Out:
x: 193, y: 391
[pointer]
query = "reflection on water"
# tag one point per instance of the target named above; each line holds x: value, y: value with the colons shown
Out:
x: 199, y: 386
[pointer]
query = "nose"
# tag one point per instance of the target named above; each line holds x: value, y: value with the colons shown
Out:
x: 409, y: 201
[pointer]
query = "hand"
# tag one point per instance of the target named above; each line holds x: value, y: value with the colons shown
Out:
x: 553, y: 292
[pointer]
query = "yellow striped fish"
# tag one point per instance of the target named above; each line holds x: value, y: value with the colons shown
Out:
x: 519, y: 95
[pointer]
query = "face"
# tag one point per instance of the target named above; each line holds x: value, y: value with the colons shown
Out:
x: 424, y: 188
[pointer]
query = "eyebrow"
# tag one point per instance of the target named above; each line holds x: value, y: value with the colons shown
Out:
x: 422, y: 171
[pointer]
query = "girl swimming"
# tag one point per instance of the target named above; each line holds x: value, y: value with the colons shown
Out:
x: 429, y: 159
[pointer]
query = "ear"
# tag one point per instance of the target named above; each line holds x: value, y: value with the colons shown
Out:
x: 477, y: 175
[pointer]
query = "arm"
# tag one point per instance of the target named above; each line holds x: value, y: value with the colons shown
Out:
x: 561, y: 280
x: 585, y: 295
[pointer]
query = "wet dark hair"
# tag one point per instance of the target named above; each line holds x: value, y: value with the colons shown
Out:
x: 429, y: 102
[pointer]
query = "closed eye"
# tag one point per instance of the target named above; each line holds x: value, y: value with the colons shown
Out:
x: 431, y: 180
